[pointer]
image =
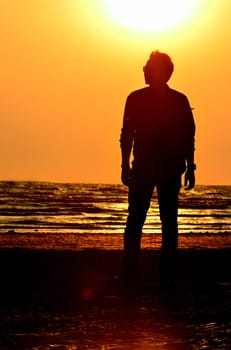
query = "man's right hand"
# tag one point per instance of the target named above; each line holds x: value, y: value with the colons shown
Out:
x: 126, y: 175
x: 189, y: 179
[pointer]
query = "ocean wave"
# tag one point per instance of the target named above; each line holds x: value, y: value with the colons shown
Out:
x: 99, y: 208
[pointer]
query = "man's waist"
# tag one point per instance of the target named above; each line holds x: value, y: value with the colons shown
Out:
x: 159, y: 165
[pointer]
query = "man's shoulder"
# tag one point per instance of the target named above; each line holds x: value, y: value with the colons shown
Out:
x: 139, y: 92
x: 177, y: 94
x: 146, y: 91
x: 141, y: 96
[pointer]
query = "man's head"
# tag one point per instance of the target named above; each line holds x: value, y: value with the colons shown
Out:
x: 158, y: 68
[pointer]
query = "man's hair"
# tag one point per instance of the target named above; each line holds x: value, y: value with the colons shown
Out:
x: 157, y: 58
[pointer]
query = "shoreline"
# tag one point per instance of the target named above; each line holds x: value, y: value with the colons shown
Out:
x: 73, y: 241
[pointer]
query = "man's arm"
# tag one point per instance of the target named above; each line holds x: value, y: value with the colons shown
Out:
x: 126, y: 144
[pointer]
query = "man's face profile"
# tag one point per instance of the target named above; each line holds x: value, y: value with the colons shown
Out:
x: 155, y: 74
x: 158, y: 69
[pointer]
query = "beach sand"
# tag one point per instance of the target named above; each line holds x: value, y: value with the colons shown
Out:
x: 72, y: 300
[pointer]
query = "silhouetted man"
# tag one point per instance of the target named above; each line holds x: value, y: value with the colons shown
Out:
x: 158, y: 128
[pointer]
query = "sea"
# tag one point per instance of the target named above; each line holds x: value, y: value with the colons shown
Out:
x: 76, y: 216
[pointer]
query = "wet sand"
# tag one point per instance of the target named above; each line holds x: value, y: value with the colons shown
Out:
x: 71, y: 300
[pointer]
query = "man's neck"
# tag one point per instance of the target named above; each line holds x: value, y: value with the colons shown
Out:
x: 159, y: 88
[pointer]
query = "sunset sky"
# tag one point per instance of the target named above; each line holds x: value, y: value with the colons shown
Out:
x: 67, y: 67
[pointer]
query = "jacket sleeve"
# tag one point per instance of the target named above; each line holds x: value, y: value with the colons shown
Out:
x: 127, y: 133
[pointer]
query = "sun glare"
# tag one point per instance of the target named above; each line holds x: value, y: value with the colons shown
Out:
x: 151, y: 15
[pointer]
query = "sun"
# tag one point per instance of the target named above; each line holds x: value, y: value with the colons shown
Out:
x: 151, y: 15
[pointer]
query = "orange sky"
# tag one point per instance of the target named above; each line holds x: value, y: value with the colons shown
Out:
x: 66, y: 70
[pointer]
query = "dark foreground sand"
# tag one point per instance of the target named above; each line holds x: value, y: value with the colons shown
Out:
x: 70, y: 300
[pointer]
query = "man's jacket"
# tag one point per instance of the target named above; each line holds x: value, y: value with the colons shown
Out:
x: 160, y: 128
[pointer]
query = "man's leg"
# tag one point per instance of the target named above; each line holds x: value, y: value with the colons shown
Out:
x: 139, y: 197
x: 168, y: 203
